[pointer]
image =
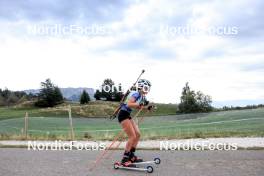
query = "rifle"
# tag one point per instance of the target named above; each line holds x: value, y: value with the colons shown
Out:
x: 113, y: 116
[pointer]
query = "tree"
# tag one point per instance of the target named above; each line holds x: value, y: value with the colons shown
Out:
x: 20, y: 94
x: 49, y: 95
x: 188, y: 102
x: 2, y: 100
x: 97, y: 95
x: 118, y: 94
x: 31, y: 96
x: 6, y: 93
x: 12, y: 99
x: 192, y: 102
x: 203, y: 102
x: 58, y: 97
x: 8, y: 97
x: 109, y: 91
x: 85, y: 98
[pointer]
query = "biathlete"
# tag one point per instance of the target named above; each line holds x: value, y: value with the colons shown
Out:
x: 135, y: 100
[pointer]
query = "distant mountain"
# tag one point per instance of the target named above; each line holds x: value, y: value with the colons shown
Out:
x: 72, y: 94
x: 33, y: 91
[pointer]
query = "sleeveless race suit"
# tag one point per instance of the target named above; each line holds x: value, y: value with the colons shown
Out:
x: 125, y: 111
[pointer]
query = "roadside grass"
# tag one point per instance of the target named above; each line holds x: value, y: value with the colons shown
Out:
x: 239, y: 123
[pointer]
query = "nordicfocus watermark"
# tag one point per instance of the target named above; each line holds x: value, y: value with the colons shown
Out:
x: 66, y: 30
x: 187, y: 30
x: 193, y: 145
x: 62, y: 145
x: 119, y: 88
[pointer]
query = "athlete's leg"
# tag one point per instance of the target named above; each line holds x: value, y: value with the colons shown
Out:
x: 129, y: 130
x: 137, y: 132
x: 133, y: 157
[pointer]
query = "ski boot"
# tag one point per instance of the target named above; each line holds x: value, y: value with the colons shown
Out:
x: 126, y: 162
x: 134, y: 159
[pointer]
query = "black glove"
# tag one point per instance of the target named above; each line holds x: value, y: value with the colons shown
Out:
x: 150, y: 107
x: 144, y: 103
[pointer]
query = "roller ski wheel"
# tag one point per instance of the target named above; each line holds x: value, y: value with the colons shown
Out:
x: 157, y: 161
x: 150, y: 169
x: 116, y: 165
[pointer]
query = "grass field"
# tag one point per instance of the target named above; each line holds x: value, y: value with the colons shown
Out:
x: 217, y: 124
x: 93, y: 109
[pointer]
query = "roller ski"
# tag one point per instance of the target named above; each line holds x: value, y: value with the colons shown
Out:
x: 144, y: 166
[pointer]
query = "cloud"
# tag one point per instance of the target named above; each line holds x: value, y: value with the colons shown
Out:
x: 248, y: 16
x: 254, y: 67
x: 142, y: 35
x: 62, y: 10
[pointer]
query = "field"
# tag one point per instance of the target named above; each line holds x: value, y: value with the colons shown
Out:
x: 216, y: 124
x: 93, y: 109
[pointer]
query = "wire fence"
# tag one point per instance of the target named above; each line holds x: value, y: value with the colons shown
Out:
x: 71, y: 128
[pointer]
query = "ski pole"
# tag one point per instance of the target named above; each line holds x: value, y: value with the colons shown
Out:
x: 120, y: 134
x: 100, y: 157
x: 119, y: 142
x: 124, y: 96
x: 139, y: 121
x: 114, y: 116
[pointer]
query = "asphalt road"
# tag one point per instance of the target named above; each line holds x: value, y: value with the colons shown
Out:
x: 21, y: 162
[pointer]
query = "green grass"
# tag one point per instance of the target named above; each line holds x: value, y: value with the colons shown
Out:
x: 217, y: 124
x: 7, y: 113
x: 93, y: 109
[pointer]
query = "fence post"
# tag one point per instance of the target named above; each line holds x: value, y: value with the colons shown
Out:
x: 26, y: 125
x: 71, y: 125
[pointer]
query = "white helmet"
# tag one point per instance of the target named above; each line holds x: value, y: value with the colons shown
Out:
x: 145, y: 84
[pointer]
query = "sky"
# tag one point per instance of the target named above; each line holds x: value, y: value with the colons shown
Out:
x: 215, y: 45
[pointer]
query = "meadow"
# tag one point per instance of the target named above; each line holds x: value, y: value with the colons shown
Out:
x: 239, y: 123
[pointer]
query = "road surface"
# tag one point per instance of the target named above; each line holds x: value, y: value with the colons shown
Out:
x: 21, y: 162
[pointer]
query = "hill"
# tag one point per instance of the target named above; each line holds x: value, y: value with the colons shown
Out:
x: 92, y: 109
x: 71, y: 94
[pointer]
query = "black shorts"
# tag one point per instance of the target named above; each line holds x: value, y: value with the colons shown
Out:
x: 123, y: 115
